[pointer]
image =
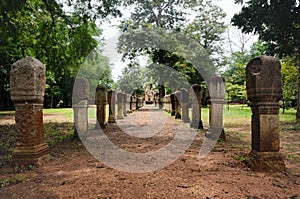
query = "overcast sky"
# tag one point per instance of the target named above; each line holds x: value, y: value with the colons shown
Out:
x: 110, y: 34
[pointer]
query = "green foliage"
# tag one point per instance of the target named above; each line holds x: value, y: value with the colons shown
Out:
x: 290, y: 77
x: 166, y: 51
x: 235, y: 75
x: 207, y: 28
x: 276, y: 22
x: 59, y: 38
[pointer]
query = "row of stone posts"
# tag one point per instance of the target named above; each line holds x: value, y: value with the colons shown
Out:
x: 179, y: 102
x: 264, y: 89
x: 122, y: 102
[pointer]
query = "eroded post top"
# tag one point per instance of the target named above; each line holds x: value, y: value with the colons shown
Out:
x: 264, y: 84
x: 28, y: 81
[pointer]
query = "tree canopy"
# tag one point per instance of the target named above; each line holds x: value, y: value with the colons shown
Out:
x: 59, y: 33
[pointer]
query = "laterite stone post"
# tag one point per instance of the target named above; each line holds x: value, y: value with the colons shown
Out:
x: 196, y: 107
x: 185, y: 108
x: 172, y: 101
x: 80, y: 105
x: 120, y: 106
x: 177, y: 97
x: 264, y: 90
x: 216, y: 89
x: 124, y: 104
x: 112, y: 106
x: 27, y: 83
x: 101, y: 101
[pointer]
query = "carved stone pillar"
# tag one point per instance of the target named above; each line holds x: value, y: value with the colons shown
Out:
x: 27, y: 83
x: 196, y: 107
x: 120, y: 106
x: 80, y: 105
x: 112, y: 106
x: 177, y: 98
x: 185, y: 108
x: 101, y: 102
x: 216, y: 89
x: 264, y: 90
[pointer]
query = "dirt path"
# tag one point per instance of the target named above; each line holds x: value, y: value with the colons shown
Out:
x: 74, y: 173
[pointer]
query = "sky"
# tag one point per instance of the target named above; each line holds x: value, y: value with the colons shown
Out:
x: 110, y: 33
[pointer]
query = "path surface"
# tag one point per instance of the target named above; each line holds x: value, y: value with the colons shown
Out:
x: 74, y: 173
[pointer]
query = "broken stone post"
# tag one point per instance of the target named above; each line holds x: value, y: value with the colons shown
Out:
x: 185, y: 109
x: 177, y: 96
x: 112, y: 106
x: 264, y: 90
x: 120, y: 106
x: 27, y: 84
x: 216, y: 89
x: 101, y: 102
x: 80, y: 105
x: 196, y: 107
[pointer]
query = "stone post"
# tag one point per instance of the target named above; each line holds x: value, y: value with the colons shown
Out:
x: 27, y: 84
x: 101, y: 102
x: 124, y: 104
x: 162, y: 93
x: 112, y: 106
x: 120, y: 106
x: 196, y: 107
x: 185, y: 108
x: 216, y: 89
x: 172, y: 101
x: 80, y: 105
x: 264, y: 90
x: 133, y: 104
x: 177, y: 98
x: 128, y: 102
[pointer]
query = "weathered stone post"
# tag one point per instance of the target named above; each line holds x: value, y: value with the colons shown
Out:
x: 185, y: 108
x: 101, y: 102
x: 162, y: 93
x: 27, y: 83
x: 133, y: 104
x: 264, y: 90
x: 120, y: 106
x: 128, y: 103
x: 177, y: 96
x: 196, y: 107
x: 172, y: 101
x: 112, y: 106
x: 124, y: 102
x: 80, y: 105
x: 216, y: 89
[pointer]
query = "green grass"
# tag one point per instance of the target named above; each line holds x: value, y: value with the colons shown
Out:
x: 66, y: 112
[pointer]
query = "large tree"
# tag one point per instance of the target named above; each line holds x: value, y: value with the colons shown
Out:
x: 278, y: 23
x: 174, y: 17
x: 58, y: 35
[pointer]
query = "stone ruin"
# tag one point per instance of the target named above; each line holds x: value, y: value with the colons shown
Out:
x: 27, y: 84
x: 264, y: 90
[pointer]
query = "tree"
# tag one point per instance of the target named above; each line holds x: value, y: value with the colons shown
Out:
x: 235, y: 75
x: 171, y: 16
x: 278, y: 24
x: 60, y: 39
x: 207, y: 29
